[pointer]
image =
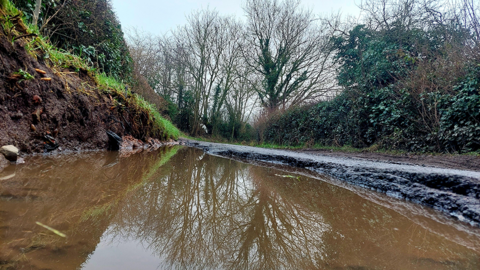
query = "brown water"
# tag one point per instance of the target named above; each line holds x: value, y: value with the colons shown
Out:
x: 179, y: 208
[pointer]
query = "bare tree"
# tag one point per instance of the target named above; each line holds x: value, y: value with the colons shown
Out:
x: 471, y: 15
x: 199, y: 38
x: 287, y: 46
x: 36, y: 12
x: 385, y: 14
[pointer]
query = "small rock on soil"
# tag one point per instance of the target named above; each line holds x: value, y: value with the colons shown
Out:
x: 10, y: 152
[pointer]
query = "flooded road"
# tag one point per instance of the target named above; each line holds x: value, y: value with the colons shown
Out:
x: 180, y: 208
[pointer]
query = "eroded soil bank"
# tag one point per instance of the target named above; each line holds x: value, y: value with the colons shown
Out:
x: 45, y: 107
x: 451, y: 191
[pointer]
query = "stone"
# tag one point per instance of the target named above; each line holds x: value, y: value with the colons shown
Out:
x: 17, y: 115
x: 37, y: 99
x: 10, y: 152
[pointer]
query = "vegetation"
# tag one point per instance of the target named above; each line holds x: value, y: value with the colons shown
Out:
x: 88, y: 29
x: 404, y: 76
x: 411, y: 81
x: 41, y: 48
x: 214, y: 72
x: 162, y: 128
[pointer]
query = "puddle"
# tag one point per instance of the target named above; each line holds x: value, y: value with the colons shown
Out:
x: 179, y: 208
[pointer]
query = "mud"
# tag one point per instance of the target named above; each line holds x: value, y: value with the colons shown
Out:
x: 451, y: 191
x: 70, y: 108
x: 451, y: 161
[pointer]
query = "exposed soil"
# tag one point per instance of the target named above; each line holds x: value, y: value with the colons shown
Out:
x: 460, y: 162
x: 69, y: 108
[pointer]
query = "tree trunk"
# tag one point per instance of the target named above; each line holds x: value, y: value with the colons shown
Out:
x: 36, y: 13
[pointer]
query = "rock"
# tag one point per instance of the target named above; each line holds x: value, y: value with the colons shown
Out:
x: 114, y: 141
x: 36, y: 115
x: 10, y: 152
x: 17, y: 115
x: 20, y: 160
x: 37, y: 99
x: 129, y: 143
x: 50, y: 143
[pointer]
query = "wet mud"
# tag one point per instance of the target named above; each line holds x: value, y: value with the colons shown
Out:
x: 450, y: 161
x: 451, y: 191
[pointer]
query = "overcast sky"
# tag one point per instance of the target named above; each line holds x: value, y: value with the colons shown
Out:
x: 157, y: 17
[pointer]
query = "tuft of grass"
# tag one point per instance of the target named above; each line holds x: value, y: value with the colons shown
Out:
x: 110, y: 84
x: 9, y: 7
x: 169, y: 130
x: 25, y: 75
x: 39, y: 47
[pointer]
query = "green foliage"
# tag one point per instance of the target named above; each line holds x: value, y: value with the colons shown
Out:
x: 85, y: 28
x: 162, y: 128
x: 39, y: 47
x: 388, y: 119
x: 382, y: 104
x: 8, y: 6
x: 374, y: 59
x: 172, y: 108
x: 166, y: 128
x: 460, y: 119
x: 184, y: 118
x: 25, y: 75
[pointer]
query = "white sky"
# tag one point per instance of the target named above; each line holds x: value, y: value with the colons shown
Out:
x: 157, y: 17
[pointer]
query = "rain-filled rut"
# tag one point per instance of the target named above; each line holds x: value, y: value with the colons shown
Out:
x: 181, y: 208
x: 453, y: 192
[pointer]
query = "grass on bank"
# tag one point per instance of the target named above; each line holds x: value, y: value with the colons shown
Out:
x: 40, y: 48
x: 107, y: 84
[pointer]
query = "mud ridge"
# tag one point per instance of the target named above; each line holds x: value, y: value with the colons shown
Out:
x: 453, y: 192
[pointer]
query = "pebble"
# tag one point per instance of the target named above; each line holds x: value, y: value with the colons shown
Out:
x: 20, y: 160
x: 10, y: 152
x: 17, y: 115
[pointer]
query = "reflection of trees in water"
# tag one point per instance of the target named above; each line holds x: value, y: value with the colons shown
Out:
x: 278, y: 233
x: 199, y: 211
x: 203, y: 212
x: 76, y: 194
x: 208, y: 212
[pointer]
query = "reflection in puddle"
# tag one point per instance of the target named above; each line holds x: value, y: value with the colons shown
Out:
x: 181, y: 209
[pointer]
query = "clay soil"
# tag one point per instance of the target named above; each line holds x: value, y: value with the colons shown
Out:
x: 460, y: 162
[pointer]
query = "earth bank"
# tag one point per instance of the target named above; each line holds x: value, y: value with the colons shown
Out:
x: 44, y: 107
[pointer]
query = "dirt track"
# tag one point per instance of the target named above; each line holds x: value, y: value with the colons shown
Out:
x: 459, y: 162
x: 444, y: 186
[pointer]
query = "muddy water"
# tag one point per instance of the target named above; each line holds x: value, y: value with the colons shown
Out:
x: 179, y: 208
